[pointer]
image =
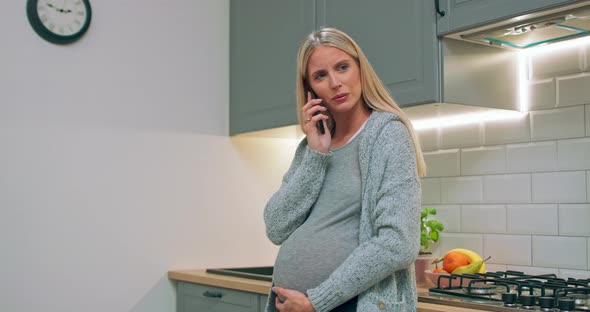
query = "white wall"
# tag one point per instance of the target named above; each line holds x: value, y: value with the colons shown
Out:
x: 519, y: 191
x: 115, y: 165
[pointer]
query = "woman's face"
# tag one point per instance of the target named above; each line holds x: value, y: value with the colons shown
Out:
x: 335, y: 77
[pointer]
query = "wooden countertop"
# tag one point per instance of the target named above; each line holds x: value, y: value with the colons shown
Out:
x: 200, y: 276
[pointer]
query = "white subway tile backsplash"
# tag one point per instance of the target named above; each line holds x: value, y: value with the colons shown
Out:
x: 483, y: 218
x: 559, y: 187
x: 428, y: 139
x: 532, y: 270
x: 430, y: 191
x: 573, y: 90
x: 449, y: 216
x: 492, y: 267
x: 450, y: 241
x: 461, y: 190
x: 549, y: 251
x: 580, y: 274
x: 560, y: 123
x: 519, y: 190
x: 460, y: 136
x: 573, y: 154
x: 507, y: 188
x: 532, y: 219
x: 483, y: 160
x: 443, y: 163
x: 574, y: 219
x: 542, y: 94
x: 507, y: 131
x: 508, y: 249
x: 551, y: 63
x: 531, y: 157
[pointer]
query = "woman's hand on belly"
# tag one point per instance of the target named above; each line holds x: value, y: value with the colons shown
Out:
x: 294, y: 301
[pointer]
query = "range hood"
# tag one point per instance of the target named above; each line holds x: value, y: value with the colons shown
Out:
x: 484, y: 68
x: 532, y: 30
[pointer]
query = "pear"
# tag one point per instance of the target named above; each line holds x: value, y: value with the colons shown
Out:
x: 471, y: 268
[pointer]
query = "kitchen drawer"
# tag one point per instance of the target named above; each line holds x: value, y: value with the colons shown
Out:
x: 196, y: 298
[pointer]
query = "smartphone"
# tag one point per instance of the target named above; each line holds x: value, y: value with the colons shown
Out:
x: 320, y: 123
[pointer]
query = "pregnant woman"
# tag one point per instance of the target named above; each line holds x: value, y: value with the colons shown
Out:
x: 347, y: 212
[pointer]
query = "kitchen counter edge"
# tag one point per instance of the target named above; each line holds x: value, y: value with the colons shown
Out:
x: 200, y: 276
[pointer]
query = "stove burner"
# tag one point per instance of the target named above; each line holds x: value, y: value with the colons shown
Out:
x: 579, y: 299
x: 481, y: 289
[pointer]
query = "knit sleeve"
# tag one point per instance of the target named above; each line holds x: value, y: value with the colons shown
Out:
x: 288, y: 208
x: 394, y: 220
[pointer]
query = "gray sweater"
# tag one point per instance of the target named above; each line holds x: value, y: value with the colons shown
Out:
x: 380, y: 271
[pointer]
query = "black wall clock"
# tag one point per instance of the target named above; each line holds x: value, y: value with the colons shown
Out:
x: 59, y: 21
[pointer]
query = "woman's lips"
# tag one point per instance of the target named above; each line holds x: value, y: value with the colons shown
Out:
x: 340, y: 97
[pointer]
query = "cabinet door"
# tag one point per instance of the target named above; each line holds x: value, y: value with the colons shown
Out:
x: 263, y: 300
x: 461, y: 14
x: 199, y: 298
x: 399, y: 39
x: 264, y: 37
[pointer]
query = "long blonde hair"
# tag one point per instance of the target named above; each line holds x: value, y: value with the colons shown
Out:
x: 374, y: 93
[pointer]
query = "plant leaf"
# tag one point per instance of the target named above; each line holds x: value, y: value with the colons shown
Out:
x: 434, y: 236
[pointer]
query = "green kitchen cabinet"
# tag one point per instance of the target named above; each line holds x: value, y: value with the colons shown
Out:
x: 264, y: 36
x: 200, y: 298
x: 462, y: 14
x: 263, y: 300
x: 398, y: 37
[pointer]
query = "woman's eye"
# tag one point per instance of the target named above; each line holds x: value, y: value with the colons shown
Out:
x: 343, y: 67
x: 318, y: 76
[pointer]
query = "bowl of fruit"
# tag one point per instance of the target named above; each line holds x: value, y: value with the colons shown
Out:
x: 455, y: 262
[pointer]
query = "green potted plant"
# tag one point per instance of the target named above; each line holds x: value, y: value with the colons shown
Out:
x: 429, y: 230
x: 429, y: 234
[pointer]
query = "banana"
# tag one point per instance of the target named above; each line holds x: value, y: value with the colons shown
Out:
x: 472, y: 255
x: 471, y: 268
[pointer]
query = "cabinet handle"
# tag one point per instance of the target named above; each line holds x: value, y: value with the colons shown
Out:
x: 442, y: 13
x: 213, y: 294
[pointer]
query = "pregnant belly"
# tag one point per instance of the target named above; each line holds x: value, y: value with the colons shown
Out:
x: 306, y: 260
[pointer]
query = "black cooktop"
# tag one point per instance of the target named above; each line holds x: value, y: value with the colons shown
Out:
x: 512, y: 289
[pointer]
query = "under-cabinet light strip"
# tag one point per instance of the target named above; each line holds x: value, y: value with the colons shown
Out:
x: 524, y: 73
x: 465, y: 119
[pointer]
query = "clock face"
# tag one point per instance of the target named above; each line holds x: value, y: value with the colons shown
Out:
x: 59, y: 21
x: 64, y: 18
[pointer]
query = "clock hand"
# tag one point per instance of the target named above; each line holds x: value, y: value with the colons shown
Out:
x: 58, y: 10
x: 63, y: 6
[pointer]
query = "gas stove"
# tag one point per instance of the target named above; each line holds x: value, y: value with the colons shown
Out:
x: 510, y: 290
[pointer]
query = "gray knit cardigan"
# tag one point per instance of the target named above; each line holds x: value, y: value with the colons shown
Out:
x: 381, y: 269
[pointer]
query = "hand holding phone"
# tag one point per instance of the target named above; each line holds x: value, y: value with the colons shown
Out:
x: 320, y: 124
x: 318, y: 139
